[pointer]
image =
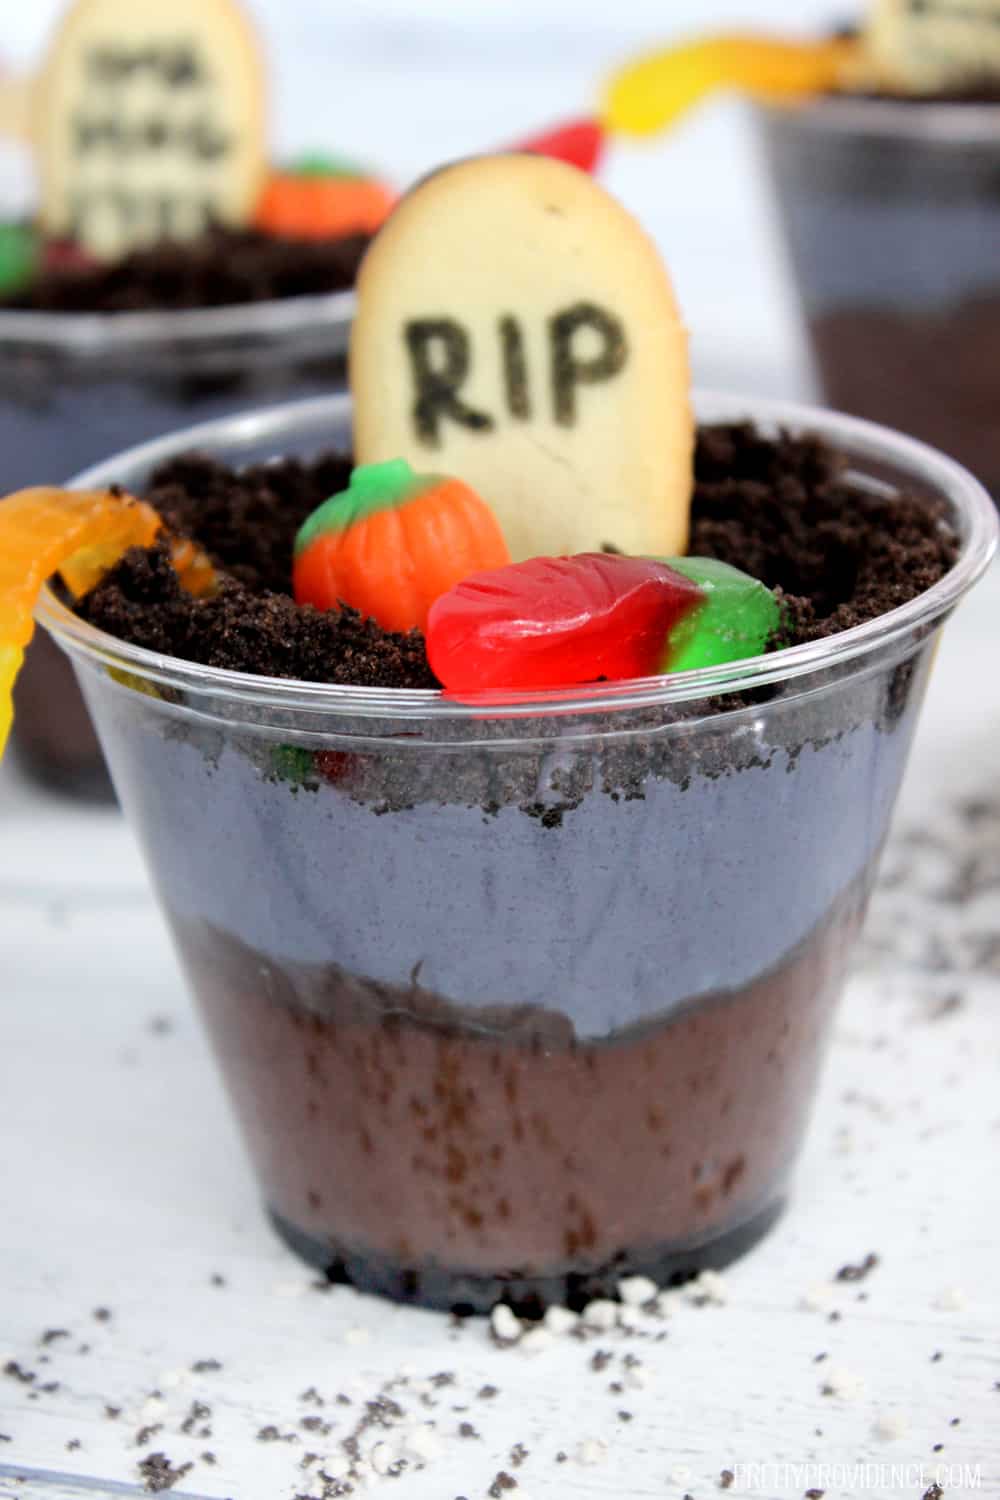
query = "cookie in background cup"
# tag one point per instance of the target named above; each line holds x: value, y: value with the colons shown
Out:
x: 149, y: 122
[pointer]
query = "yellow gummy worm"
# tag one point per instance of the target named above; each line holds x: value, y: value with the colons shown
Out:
x: 651, y: 94
x: 81, y: 534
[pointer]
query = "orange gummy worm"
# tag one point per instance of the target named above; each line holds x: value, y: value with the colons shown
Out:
x: 652, y: 93
x: 80, y: 534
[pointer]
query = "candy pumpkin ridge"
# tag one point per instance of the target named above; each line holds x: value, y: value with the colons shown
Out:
x: 372, y: 488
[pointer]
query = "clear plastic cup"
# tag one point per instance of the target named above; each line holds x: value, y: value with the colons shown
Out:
x: 513, y: 999
x: 77, y: 386
x: 892, y: 217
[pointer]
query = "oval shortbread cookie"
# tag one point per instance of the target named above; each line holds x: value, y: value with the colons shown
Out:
x: 932, y: 46
x: 149, y: 122
x: 517, y: 328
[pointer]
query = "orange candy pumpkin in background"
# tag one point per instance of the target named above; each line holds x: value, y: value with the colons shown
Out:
x: 321, y: 198
x: 393, y: 542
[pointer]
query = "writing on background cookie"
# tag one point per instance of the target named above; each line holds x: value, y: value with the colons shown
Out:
x: 932, y: 46
x: 149, y: 122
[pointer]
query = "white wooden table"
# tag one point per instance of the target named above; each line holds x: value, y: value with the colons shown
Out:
x: 124, y: 1188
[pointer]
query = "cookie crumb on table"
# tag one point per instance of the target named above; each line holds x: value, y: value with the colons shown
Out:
x: 860, y: 1270
x: 158, y: 1472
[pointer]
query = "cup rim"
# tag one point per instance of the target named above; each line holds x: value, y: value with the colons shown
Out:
x: 99, y: 333
x: 974, y: 515
x: 936, y: 121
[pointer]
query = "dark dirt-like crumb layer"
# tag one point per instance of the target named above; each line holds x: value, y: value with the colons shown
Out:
x: 224, y: 268
x: 779, y: 509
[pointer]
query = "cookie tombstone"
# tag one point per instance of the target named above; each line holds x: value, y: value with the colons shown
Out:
x: 517, y: 328
x: 931, y: 46
x: 149, y: 122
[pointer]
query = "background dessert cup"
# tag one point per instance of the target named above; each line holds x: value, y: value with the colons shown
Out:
x: 892, y: 218
x: 75, y: 386
x: 513, y: 999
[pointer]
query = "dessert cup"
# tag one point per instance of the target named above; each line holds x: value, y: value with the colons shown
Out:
x: 892, y: 219
x: 75, y: 386
x: 513, y: 998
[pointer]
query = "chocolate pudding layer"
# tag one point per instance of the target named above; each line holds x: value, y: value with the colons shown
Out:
x: 452, y: 1157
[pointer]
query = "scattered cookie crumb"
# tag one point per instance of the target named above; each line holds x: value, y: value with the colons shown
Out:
x: 842, y: 1383
x: 889, y: 1426
x: 591, y: 1451
x: 421, y: 1444
x: 560, y: 1320
x: 505, y: 1325
x: 859, y: 1271
x: 708, y: 1289
x: 601, y: 1315
x: 158, y: 1472
x: 383, y: 1458
x: 636, y: 1291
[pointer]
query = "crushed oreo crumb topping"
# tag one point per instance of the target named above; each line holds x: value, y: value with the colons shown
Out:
x: 780, y: 509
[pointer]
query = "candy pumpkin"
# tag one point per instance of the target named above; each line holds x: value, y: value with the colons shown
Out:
x: 393, y: 542
x: 322, y: 198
